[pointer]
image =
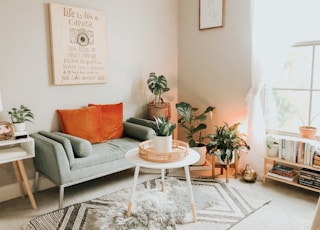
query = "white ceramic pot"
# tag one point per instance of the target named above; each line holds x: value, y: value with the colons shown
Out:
x: 274, y: 151
x: 19, y: 127
x: 162, y: 143
x: 202, y: 152
x: 225, y: 160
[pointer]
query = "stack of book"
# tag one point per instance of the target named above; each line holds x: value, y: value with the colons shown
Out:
x: 283, y: 172
x: 316, y: 160
x: 309, y: 178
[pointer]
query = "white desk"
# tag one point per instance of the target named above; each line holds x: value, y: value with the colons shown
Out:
x: 16, y: 151
x: 133, y: 157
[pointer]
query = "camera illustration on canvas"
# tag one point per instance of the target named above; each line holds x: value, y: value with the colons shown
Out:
x: 82, y: 37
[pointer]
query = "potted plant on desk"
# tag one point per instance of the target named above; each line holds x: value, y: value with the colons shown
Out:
x: 19, y: 116
x: 162, y: 141
x: 193, y: 124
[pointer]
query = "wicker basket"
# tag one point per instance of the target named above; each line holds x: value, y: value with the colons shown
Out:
x: 179, y: 151
x: 155, y: 110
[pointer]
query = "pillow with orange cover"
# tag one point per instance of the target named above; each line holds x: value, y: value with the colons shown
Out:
x: 84, y: 123
x: 111, y: 120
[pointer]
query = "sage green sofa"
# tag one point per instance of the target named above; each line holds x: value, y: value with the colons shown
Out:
x: 68, y: 160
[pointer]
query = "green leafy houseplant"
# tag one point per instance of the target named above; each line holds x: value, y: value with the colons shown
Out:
x: 157, y: 86
x: 225, y: 141
x: 162, y: 126
x: 21, y: 114
x: 192, y: 122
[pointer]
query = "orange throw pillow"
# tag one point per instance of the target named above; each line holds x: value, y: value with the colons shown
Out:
x: 84, y: 123
x: 111, y: 120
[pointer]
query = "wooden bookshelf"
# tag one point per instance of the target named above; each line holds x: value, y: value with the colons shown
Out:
x: 270, y: 161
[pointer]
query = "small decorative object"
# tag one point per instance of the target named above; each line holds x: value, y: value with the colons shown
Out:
x: 211, y: 14
x: 249, y: 174
x: 19, y: 116
x: 272, y: 146
x: 163, y: 128
x: 192, y: 122
x: 6, y: 131
x: 226, y: 142
x: 157, y: 86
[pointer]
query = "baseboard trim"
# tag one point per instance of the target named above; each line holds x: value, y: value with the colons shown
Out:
x: 11, y: 191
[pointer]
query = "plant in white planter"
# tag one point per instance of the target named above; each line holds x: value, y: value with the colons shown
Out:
x: 226, y: 142
x: 19, y: 116
x: 162, y: 141
x: 272, y: 144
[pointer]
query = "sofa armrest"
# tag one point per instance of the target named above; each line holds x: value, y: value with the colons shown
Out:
x: 81, y: 147
x: 137, y: 131
x: 50, y: 158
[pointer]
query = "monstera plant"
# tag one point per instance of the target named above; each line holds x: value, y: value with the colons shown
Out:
x: 158, y: 85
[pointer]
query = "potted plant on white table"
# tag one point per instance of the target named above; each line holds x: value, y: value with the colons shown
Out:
x: 19, y: 116
x: 162, y: 141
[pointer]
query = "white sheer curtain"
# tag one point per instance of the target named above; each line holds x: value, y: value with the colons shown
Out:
x: 276, y: 25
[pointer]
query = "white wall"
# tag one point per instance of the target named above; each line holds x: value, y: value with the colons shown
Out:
x: 214, y: 64
x: 142, y: 37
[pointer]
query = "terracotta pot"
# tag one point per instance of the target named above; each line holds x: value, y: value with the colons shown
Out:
x: 308, y: 132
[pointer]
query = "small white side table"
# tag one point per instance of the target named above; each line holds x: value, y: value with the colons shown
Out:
x: 16, y: 151
x: 133, y: 157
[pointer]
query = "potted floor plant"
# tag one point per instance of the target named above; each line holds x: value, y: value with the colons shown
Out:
x: 158, y: 85
x: 162, y: 141
x: 19, y: 116
x: 193, y: 123
x: 225, y: 143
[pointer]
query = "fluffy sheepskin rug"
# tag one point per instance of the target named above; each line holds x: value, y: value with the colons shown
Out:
x: 152, y: 209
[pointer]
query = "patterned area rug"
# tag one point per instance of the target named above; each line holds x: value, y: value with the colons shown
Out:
x: 218, y: 206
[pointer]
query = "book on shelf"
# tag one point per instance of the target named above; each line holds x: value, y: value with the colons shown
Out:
x: 297, y: 150
x: 309, y: 183
x: 292, y: 178
x: 283, y: 168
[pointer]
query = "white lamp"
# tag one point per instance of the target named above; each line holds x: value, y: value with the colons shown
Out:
x: 1, y: 106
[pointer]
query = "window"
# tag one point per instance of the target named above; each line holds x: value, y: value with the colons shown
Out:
x: 292, y: 99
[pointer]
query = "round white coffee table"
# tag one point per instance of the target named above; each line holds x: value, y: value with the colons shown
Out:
x: 133, y: 157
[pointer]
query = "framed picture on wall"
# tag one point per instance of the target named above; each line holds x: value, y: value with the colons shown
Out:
x: 79, y: 45
x: 210, y: 14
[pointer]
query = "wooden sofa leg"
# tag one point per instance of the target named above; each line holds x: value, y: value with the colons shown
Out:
x: 61, y: 195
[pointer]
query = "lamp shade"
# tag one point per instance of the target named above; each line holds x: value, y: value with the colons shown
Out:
x: 1, y: 106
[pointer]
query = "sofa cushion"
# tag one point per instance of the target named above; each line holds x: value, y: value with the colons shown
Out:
x: 138, y: 132
x: 111, y: 120
x: 81, y: 147
x: 110, y: 151
x: 84, y: 123
x: 141, y: 121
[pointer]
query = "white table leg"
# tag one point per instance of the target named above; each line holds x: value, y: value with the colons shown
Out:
x: 162, y: 180
x: 186, y: 170
x: 135, y: 181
